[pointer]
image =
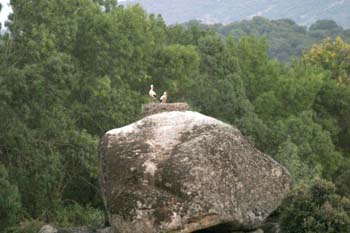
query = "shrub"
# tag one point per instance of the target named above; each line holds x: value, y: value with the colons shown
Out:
x: 316, y: 209
x: 27, y: 226
x: 77, y: 215
x: 9, y: 201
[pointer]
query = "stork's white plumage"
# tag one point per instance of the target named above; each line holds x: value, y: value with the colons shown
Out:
x: 152, y: 93
x: 164, y: 97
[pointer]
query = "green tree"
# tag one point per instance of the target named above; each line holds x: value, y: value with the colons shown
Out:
x: 302, y: 173
x: 314, y: 143
x: 333, y: 108
x: 333, y: 56
x: 10, y: 205
x: 316, y: 209
x: 175, y: 67
x: 256, y: 69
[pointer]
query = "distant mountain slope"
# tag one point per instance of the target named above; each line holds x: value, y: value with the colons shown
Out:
x: 284, y: 37
x: 304, y: 12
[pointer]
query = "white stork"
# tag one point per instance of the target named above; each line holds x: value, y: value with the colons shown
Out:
x: 152, y: 93
x: 164, y: 97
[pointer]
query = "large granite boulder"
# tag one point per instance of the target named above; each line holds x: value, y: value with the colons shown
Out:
x: 182, y: 172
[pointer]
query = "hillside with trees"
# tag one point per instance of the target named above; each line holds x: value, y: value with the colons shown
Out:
x: 72, y: 69
x: 304, y: 12
x: 285, y: 38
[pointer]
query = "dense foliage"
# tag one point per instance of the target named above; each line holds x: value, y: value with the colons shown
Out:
x: 72, y: 69
x: 316, y: 209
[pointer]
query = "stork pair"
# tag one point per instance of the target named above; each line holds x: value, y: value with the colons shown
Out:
x: 153, y: 95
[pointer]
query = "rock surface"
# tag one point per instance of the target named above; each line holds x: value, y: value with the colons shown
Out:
x: 84, y: 229
x: 218, y: 230
x: 182, y: 172
x: 48, y: 229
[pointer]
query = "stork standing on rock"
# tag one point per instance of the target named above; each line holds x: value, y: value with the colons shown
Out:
x: 164, y: 97
x: 152, y: 93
